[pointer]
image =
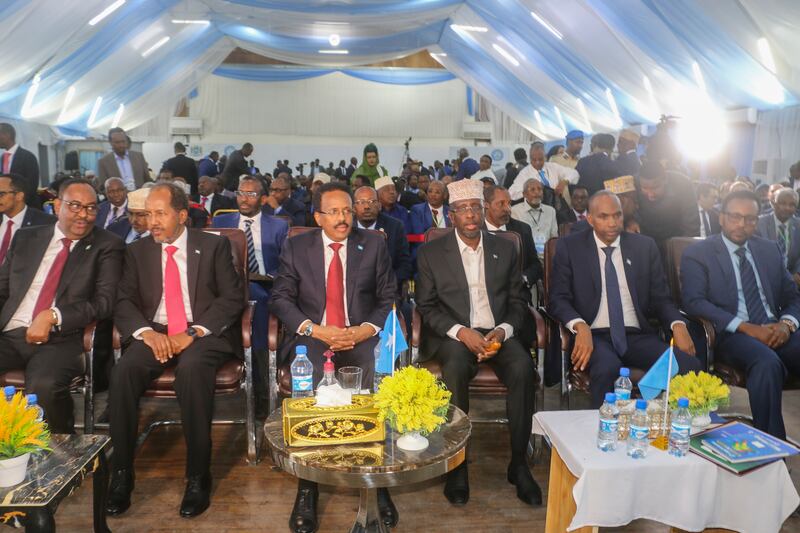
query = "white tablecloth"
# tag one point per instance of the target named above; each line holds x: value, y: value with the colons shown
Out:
x: 689, y: 493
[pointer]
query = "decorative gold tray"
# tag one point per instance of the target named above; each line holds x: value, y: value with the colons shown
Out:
x: 305, y: 424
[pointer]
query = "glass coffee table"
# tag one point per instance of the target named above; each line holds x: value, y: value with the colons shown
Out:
x: 370, y: 466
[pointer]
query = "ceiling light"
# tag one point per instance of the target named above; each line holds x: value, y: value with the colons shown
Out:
x: 190, y: 21
x: 106, y: 12
x: 95, y: 110
x: 161, y: 42
x: 539, y: 122
x: 461, y: 27
x: 560, y: 120
x: 549, y: 27
x: 698, y: 77
x: 62, y: 117
x: 118, y: 116
x: 766, y: 54
x: 612, y: 103
x: 587, y: 125
x: 334, y: 39
x: 437, y: 54
x: 28, y: 103
x: 341, y: 52
x: 506, y: 54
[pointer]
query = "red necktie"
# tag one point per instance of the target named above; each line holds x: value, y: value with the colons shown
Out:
x: 6, y: 241
x: 334, y: 293
x: 6, y: 157
x: 581, y: 217
x: 48, y: 292
x: 203, y: 201
x: 173, y: 295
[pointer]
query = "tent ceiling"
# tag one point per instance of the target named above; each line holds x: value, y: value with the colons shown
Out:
x: 552, y: 65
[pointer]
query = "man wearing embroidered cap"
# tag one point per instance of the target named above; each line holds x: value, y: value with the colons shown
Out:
x: 470, y: 296
x: 134, y: 226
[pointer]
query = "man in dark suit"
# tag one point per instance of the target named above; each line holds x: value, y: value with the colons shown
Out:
x: 18, y: 160
x: 579, y: 209
x: 116, y: 205
x: 520, y: 162
x: 280, y: 202
x: 432, y: 213
x: 470, y: 296
x: 707, y: 198
x: 413, y: 193
x: 628, y: 163
x: 782, y: 227
x: 351, y: 168
x: 183, y: 166
x: 134, y: 226
x: 236, y: 166
x: 598, y: 167
x: 209, y: 165
x: 356, y: 270
x: 208, y: 197
x: 55, y: 280
x: 122, y: 162
x: 14, y: 213
x: 178, y: 301
x: 609, y: 309
x: 739, y: 282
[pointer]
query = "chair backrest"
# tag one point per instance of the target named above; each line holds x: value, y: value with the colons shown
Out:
x: 436, y: 233
x: 564, y: 229
x: 298, y: 230
x: 286, y: 218
x: 238, y: 247
x: 674, y: 252
x: 549, y: 253
x: 219, y: 212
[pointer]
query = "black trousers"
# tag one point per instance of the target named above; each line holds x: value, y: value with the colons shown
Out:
x: 195, y: 373
x: 49, y: 369
x: 515, y: 368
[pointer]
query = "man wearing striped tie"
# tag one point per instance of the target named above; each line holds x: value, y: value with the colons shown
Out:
x: 134, y: 226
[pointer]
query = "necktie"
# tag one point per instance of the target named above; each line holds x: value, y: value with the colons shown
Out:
x: 435, y: 218
x: 6, y: 241
x: 706, y: 224
x: 545, y: 181
x: 582, y: 217
x: 252, y: 262
x: 334, y: 293
x: 616, y: 318
x: 782, y: 241
x: 113, y: 216
x: 6, y: 158
x: 137, y: 237
x: 48, y: 292
x: 203, y: 200
x: 752, y: 299
x: 173, y: 295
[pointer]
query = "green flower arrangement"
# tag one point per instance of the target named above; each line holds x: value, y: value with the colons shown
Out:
x: 705, y: 392
x: 412, y: 400
x: 20, y: 432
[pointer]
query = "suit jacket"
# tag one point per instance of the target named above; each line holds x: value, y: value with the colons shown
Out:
x: 442, y: 292
x: 102, y: 213
x: 409, y: 199
x: 766, y: 229
x: 26, y: 165
x: 216, y: 292
x: 531, y: 266
x: 234, y: 167
x: 207, y: 167
x: 120, y: 228
x: 350, y: 170
x: 35, y: 217
x: 107, y: 168
x: 713, y: 221
x: 628, y: 164
x: 575, y: 293
x: 291, y: 208
x: 398, y: 246
x: 88, y: 283
x: 341, y: 173
x: 298, y: 293
x: 219, y: 201
x: 673, y: 215
x: 708, y: 281
x: 594, y: 169
x: 185, y: 167
x: 422, y: 219
x: 273, y: 235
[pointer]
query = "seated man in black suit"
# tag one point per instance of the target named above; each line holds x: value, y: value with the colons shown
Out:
x: 55, y: 280
x: 707, y: 198
x: 280, y: 202
x: 15, y: 213
x: 470, y: 296
x: 178, y: 301
x: 609, y: 309
x: 134, y: 226
x: 579, y: 209
x: 209, y: 199
x: 355, y: 270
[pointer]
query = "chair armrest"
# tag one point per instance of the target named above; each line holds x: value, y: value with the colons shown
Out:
x: 416, y: 327
x: 273, y: 333
x: 541, y: 327
x: 88, y: 336
x: 116, y: 340
x: 247, y: 324
x: 711, y: 337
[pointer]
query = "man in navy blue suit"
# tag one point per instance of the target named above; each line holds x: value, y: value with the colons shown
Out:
x: 116, y: 205
x: 280, y: 202
x: 738, y: 281
x: 609, y: 307
x: 433, y: 213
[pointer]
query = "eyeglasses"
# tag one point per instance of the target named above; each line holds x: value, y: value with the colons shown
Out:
x: 248, y: 194
x: 464, y: 209
x: 737, y: 218
x: 366, y: 202
x: 3, y: 193
x: 347, y: 212
x: 77, y: 207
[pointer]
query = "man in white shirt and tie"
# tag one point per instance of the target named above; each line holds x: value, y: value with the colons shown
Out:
x: 540, y: 217
x: 433, y: 213
x: 116, y: 205
x: 707, y: 197
x: 207, y: 197
x: 551, y: 175
x: 15, y: 214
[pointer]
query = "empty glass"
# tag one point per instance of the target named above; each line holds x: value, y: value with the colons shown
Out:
x: 350, y: 378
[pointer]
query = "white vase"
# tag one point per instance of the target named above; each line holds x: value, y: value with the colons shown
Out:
x: 12, y: 471
x: 412, y: 442
x: 701, y: 420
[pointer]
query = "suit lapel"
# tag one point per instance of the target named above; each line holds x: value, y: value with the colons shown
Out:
x: 763, y: 276
x: 193, y: 255
x: 152, y: 277
x: 355, y: 254
x: 490, y: 266
x: 630, y: 270
x: 37, y: 250
x: 453, y: 258
x: 594, y: 262
x: 75, y: 260
x: 725, y: 264
x: 315, y: 255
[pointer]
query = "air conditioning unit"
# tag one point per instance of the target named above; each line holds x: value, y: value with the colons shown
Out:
x: 476, y: 130
x: 185, y: 126
x: 743, y: 115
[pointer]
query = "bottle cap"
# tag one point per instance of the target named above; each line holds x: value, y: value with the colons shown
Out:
x: 641, y: 404
x: 625, y: 372
x: 300, y: 349
x: 9, y: 390
x: 611, y: 397
x: 683, y: 402
x: 32, y: 399
x: 328, y: 366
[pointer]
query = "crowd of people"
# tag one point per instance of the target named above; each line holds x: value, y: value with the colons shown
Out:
x: 126, y: 248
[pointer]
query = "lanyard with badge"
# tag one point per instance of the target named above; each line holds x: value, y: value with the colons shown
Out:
x: 539, y: 238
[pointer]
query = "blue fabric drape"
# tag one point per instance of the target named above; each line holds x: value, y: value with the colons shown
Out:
x: 390, y: 76
x: 375, y: 7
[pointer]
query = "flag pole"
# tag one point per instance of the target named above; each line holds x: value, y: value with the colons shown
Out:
x: 669, y: 378
x: 394, y: 333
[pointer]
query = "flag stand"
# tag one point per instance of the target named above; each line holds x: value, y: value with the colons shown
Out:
x: 662, y: 441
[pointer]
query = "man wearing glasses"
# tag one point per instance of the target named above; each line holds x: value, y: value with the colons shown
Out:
x: 738, y: 281
x: 280, y: 202
x: 15, y: 214
x: 55, y: 280
x: 355, y: 270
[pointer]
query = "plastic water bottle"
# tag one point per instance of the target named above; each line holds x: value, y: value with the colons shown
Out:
x: 302, y: 374
x: 609, y: 424
x: 637, y: 437
x: 679, y: 432
x: 9, y: 392
x: 33, y: 403
x: 623, y: 385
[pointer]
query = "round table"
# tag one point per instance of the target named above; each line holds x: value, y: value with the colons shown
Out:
x: 370, y: 466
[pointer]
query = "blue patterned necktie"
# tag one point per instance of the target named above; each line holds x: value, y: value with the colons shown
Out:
x: 616, y: 318
x: 752, y: 299
x: 252, y: 262
x: 782, y: 238
x: 543, y: 177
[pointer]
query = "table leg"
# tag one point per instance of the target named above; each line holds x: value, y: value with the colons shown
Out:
x: 40, y: 520
x: 100, y: 496
x: 560, y: 504
x: 368, y: 519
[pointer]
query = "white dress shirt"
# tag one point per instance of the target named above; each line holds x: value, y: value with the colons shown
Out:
x: 492, y: 227
x: 480, y: 310
x: 703, y: 217
x: 23, y: 316
x: 132, y: 235
x: 440, y: 221
x: 120, y: 212
x: 12, y: 151
x: 373, y: 226
x: 255, y: 229
x: 554, y: 172
x: 16, y: 221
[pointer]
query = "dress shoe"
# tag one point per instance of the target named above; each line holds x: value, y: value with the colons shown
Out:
x: 119, y: 492
x: 456, y: 488
x: 197, y: 496
x: 389, y: 514
x: 304, y: 513
x: 528, y: 490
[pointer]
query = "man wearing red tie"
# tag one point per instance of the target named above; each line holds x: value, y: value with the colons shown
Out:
x: 178, y: 300
x: 20, y: 161
x: 15, y: 214
x: 55, y: 280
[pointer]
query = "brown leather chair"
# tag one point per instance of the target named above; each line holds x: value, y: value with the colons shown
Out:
x: 82, y: 384
x: 234, y: 375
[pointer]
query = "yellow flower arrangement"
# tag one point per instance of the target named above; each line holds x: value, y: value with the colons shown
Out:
x: 20, y: 433
x: 704, y: 391
x: 412, y: 400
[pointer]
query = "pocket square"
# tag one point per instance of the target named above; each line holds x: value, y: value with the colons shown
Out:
x: 494, y: 256
x: 629, y: 262
x: 197, y: 252
x: 89, y: 247
x: 360, y: 248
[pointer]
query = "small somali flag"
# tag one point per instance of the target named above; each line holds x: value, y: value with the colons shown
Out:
x: 392, y: 343
x: 659, y: 375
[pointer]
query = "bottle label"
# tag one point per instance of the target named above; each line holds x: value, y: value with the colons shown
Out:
x: 301, y: 383
x: 622, y: 394
x: 680, y: 429
x: 639, y: 432
x: 609, y: 425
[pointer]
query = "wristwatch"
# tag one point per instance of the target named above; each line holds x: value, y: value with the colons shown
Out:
x: 308, y: 330
x: 790, y: 325
x: 192, y: 332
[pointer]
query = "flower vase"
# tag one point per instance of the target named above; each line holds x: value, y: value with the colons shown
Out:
x: 701, y: 420
x: 12, y: 471
x: 412, y: 442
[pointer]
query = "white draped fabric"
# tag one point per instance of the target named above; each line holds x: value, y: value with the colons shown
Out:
x: 777, y: 141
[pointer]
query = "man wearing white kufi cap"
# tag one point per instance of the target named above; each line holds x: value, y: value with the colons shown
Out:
x: 387, y: 196
x: 470, y: 295
x: 134, y: 226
